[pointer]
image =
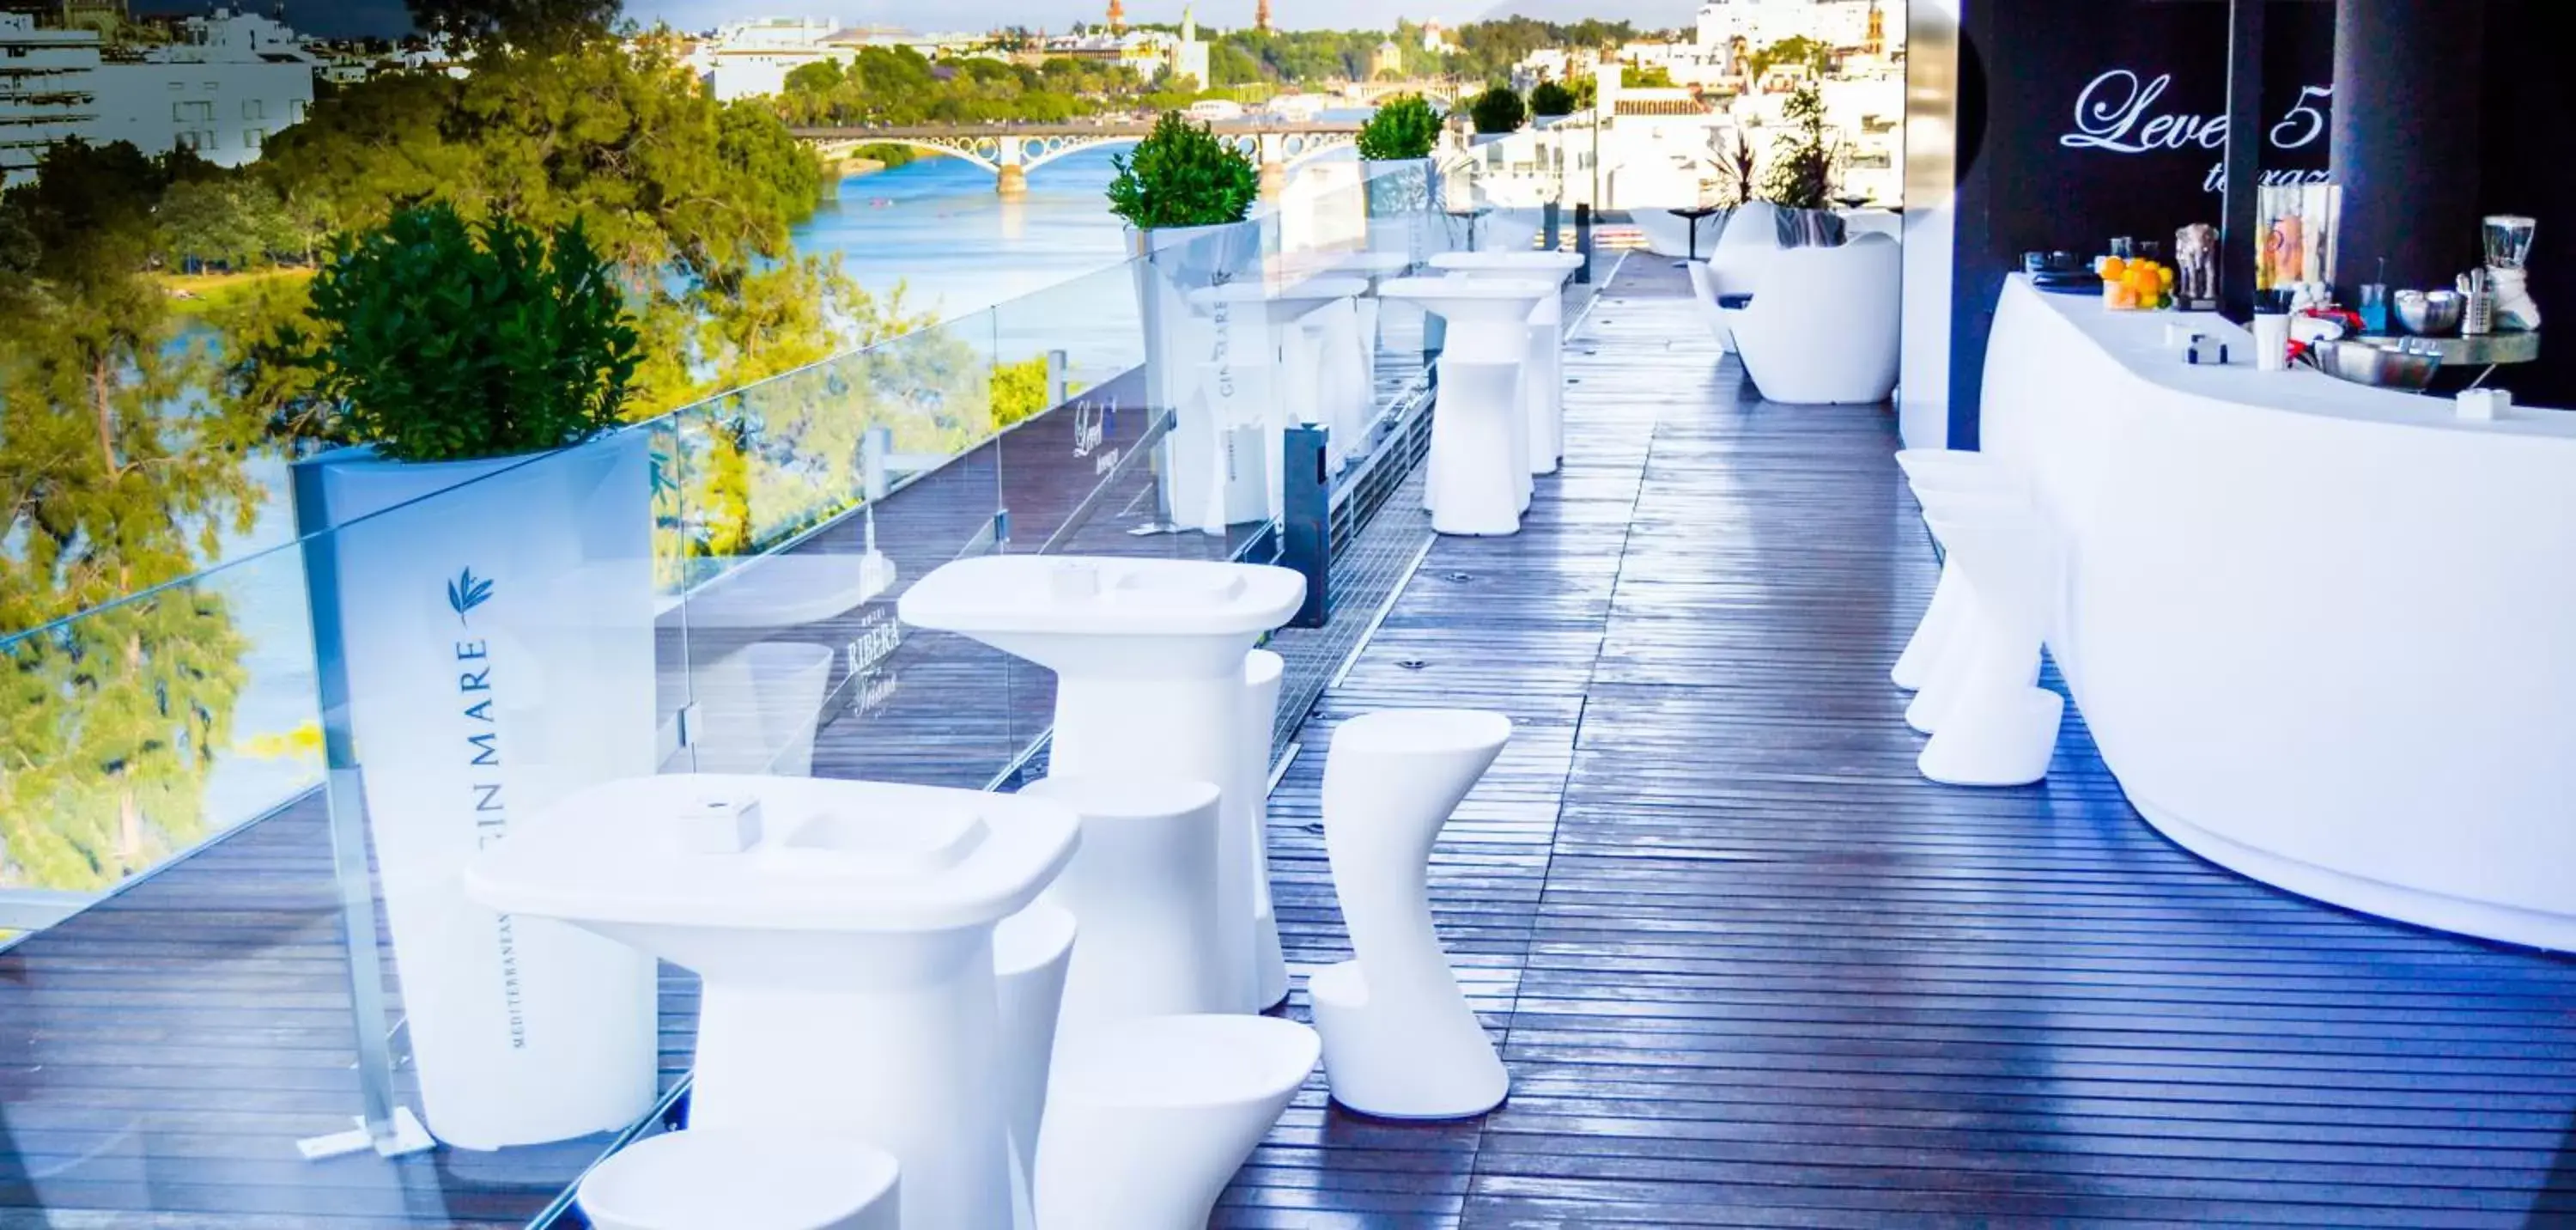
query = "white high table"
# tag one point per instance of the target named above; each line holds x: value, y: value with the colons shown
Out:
x: 1149, y: 663
x: 1543, y: 387
x: 2321, y: 632
x: 845, y: 949
x: 1489, y: 323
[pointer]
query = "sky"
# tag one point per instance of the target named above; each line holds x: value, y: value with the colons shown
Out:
x: 345, y: 18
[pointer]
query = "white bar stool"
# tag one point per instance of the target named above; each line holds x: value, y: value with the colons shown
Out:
x: 1147, y: 1123
x: 1248, y: 797
x: 1400, y: 1040
x: 1143, y: 887
x: 1944, y: 470
x: 1996, y: 726
x: 719, y: 1180
x: 1031, y: 952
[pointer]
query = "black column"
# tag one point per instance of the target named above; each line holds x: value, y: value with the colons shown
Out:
x: 2238, y: 219
x: 2408, y: 76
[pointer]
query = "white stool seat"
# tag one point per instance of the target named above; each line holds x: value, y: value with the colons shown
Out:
x: 1147, y: 1123
x: 1994, y: 725
x: 1400, y: 1040
x: 1031, y: 952
x: 1144, y: 887
x: 720, y: 1180
x: 1938, y: 471
x: 1248, y: 797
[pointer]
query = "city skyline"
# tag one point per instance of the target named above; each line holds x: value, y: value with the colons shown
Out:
x: 388, y: 18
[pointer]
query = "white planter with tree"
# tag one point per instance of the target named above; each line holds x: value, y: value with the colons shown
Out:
x: 482, y: 562
x: 1187, y: 199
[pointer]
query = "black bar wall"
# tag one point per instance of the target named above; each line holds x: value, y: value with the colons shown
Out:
x: 2408, y: 123
x: 2528, y: 166
x: 2078, y: 122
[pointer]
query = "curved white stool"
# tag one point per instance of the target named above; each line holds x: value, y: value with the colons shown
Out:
x: 1146, y: 1124
x: 1996, y: 727
x: 718, y: 1180
x: 1947, y: 654
x: 1031, y: 950
x: 845, y: 952
x: 1262, y: 672
x: 1935, y: 469
x: 1399, y: 1038
x: 1144, y: 889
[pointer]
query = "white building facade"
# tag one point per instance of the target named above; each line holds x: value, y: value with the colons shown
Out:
x: 229, y: 83
x: 48, y: 91
x: 1760, y: 23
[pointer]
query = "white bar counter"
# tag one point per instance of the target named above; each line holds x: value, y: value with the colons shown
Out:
x: 2324, y: 634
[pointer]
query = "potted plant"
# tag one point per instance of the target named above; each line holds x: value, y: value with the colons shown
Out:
x: 479, y: 572
x: 1800, y: 179
x: 1403, y: 187
x: 1186, y: 198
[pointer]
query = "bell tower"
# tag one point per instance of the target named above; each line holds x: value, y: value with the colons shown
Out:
x: 1117, y: 17
x: 1261, y: 16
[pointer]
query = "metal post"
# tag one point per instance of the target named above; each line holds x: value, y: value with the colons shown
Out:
x: 1056, y: 363
x: 345, y: 798
x: 874, y: 444
x: 1583, y: 241
x: 1306, y: 527
x: 1553, y: 213
x: 2236, y: 237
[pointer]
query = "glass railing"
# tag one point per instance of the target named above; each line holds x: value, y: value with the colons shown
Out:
x: 237, y: 807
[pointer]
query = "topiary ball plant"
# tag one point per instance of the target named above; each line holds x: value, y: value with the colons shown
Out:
x: 1405, y: 126
x: 443, y: 341
x: 1548, y: 100
x: 1181, y: 175
x: 1497, y: 110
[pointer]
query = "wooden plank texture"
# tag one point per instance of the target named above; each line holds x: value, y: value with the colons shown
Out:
x: 1747, y: 968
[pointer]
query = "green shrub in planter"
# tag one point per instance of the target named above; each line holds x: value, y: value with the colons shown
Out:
x: 1181, y: 175
x: 1803, y: 159
x: 1497, y: 110
x: 1548, y: 100
x: 1405, y: 126
x: 443, y: 341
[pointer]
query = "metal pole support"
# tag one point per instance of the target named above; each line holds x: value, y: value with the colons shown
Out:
x: 1583, y: 241
x: 1306, y: 525
x: 1554, y: 215
x: 1056, y: 365
x: 874, y: 444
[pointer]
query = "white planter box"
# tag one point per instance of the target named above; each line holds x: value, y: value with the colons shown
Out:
x: 498, y: 648
x: 1193, y: 365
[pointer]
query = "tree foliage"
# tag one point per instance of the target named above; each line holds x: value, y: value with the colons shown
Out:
x: 896, y: 85
x: 1181, y: 175
x: 109, y: 723
x: 1547, y: 100
x: 437, y: 341
x: 1405, y: 126
x: 1497, y: 110
x: 1795, y: 49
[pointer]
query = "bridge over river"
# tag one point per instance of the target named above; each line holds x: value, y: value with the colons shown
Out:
x: 1011, y: 151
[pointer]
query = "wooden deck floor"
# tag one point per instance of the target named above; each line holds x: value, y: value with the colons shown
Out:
x: 1748, y: 969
